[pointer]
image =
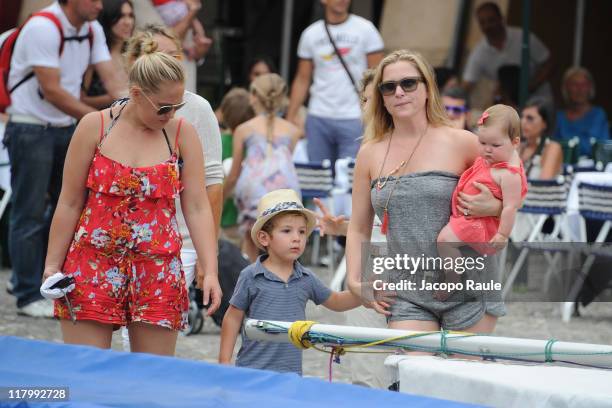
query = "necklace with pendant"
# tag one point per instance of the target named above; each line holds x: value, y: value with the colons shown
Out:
x: 379, y: 185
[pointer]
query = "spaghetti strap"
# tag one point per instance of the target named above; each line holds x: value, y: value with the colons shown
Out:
x: 510, y: 168
x: 178, y: 132
x: 101, y: 125
x: 167, y: 141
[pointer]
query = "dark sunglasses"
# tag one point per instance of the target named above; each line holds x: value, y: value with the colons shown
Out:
x: 455, y: 110
x: 162, y: 110
x: 408, y: 84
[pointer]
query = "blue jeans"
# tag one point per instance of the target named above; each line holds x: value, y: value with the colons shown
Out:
x: 332, y: 139
x: 37, y: 155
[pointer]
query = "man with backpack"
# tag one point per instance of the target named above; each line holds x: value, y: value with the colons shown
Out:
x: 50, y: 54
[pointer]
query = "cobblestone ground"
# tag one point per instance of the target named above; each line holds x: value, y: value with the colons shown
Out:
x: 525, y: 320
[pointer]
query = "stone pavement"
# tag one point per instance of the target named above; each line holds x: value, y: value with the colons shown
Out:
x: 526, y: 320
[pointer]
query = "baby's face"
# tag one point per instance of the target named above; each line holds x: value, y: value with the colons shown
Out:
x: 495, y: 145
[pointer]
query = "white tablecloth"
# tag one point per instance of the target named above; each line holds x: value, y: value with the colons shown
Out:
x: 500, y: 384
x: 573, y: 202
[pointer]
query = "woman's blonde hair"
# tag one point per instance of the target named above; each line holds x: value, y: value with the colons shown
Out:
x: 270, y: 91
x: 572, y: 71
x: 152, y: 68
x: 504, y: 116
x: 379, y: 120
x: 134, y: 48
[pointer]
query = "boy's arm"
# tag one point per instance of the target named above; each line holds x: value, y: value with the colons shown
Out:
x: 230, y: 328
x: 342, y: 301
x: 511, y: 192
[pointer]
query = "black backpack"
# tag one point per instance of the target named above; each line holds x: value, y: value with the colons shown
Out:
x: 231, y: 263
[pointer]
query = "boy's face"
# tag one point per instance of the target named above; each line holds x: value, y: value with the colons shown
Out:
x: 287, y: 239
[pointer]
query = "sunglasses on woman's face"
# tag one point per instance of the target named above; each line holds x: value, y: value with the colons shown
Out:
x: 455, y: 110
x: 164, y: 109
x: 408, y: 84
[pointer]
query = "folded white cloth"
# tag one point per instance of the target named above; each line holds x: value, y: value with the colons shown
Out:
x: 54, y: 293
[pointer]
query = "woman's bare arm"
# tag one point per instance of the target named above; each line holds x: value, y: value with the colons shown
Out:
x: 552, y: 161
x: 198, y: 214
x: 360, y: 230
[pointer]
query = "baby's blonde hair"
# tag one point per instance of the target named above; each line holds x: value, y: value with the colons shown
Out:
x: 503, y: 116
x: 153, y: 68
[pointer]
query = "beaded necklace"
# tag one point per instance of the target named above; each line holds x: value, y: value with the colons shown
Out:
x: 380, y: 184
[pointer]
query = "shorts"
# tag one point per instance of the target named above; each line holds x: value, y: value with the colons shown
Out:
x: 464, y: 312
x: 189, y: 259
x: 450, y: 315
x: 126, y: 290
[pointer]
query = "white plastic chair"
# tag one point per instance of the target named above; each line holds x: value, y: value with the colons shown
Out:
x: 595, y: 204
x: 317, y: 181
x: 545, y: 198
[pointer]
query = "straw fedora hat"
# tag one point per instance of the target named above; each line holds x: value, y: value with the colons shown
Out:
x: 277, y: 202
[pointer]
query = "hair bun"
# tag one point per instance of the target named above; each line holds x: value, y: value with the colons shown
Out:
x: 149, y: 46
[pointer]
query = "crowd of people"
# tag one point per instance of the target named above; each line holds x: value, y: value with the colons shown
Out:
x: 118, y: 182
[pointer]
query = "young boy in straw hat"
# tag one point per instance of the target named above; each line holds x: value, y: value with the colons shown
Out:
x: 277, y: 286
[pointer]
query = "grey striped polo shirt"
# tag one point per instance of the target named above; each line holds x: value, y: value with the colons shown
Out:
x: 263, y: 295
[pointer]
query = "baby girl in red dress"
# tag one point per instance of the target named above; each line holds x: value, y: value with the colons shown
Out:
x: 498, y: 167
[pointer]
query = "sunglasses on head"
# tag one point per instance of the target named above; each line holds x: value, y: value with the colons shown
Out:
x: 455, y: 110
x: 408, y: 84
x: 164, y: 109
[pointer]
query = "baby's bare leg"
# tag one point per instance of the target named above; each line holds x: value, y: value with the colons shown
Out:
x: 449, y: 243
x: 448, y: 247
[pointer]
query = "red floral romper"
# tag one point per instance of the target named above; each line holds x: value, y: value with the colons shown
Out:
x: 125, y: 255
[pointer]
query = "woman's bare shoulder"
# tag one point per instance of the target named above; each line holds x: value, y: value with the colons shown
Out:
x: 553, y: 147
x: 368, y: 151
x: 91, y: 126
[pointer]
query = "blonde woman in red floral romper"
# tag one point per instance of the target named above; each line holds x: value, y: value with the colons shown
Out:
x: 115, y: 230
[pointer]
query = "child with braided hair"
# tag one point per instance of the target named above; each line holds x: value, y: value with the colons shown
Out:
x: 267, y: 165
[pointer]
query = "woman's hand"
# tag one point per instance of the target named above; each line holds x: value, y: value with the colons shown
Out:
x: 50, y: 271
x: 328, y: 224
x: 483, y: 204
x: 383, y: 299
x: 212, y: 293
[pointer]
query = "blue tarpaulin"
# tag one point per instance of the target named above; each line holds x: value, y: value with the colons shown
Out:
x: 105, y: 378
